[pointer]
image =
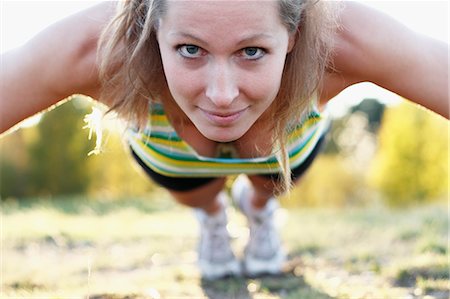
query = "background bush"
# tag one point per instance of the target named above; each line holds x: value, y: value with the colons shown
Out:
x: 411, y: 164
x: 51, y: 158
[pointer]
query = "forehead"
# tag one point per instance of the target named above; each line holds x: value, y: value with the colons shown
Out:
x: 219, y: 14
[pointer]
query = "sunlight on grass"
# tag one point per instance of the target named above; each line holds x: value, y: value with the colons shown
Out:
x: 144, y: 248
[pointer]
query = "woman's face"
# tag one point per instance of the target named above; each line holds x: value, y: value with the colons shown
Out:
x: 223, y: 62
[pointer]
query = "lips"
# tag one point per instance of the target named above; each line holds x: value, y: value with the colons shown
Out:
x: 223, y: 118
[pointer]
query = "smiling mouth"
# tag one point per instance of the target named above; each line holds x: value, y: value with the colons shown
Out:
x: 223, y: 118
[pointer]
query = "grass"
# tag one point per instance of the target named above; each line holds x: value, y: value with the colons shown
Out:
x: 145, y: 248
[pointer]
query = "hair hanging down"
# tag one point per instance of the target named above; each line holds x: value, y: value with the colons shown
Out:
x: 132, y: 74
x: 314, y: 24
x: 130, y: 62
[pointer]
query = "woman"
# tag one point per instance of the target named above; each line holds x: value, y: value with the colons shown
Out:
x: 212, y: 88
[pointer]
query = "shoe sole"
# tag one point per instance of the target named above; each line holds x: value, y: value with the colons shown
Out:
x: 257, y: 267
x: 231, y: 269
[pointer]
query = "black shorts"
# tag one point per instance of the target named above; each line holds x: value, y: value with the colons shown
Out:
x: 190, y: 183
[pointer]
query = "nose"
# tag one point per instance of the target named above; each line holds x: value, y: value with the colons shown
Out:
x: 221, y: 87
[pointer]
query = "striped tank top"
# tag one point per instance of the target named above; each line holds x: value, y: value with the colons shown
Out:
x: 161, y: 149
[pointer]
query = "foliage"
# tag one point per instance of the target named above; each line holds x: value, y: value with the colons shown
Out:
x: 374, y: 111
x: 370, y: 111
x: 13, y: 164
x: 47, y: 159
x: 412, y: 161
x: 114, y: 173
x: 58, y: 155
x: 338, y: 176
x: 52, y: 158
x: 331, y: 181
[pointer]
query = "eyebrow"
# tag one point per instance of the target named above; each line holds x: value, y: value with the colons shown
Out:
x: 189, y: 36
x: 245, y: 40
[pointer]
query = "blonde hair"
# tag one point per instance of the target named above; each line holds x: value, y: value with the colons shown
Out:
x: 132, y: 73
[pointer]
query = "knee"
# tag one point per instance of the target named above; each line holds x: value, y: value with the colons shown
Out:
x: 200, y: 197
x: 263, y: 186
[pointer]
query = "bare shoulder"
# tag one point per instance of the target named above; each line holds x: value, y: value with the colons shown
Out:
x: 56, y: 63
x: 373, y: 47
x: 73, y: 42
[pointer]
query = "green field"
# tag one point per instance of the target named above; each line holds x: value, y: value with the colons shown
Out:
x: 145, y: 248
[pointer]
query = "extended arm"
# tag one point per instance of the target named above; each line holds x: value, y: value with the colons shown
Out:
x: 373, y: 47
x: 58, y: 62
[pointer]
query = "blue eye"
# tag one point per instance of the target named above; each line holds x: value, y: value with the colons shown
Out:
x: 253, y: 53
x: 190, y: 51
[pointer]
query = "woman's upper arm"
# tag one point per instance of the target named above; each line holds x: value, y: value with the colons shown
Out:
x: 373, y: 47
x: 56, y: 63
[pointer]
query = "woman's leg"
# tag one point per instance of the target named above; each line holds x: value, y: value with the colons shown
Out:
x: 264, y: 186
x: 255, y: 197
x: 264, y: 253
x: 215, y: 256
x: 193, y: 192
x: 263, y: 189
x: 204, y: 197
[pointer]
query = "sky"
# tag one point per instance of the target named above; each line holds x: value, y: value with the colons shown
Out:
x: 21, y: 20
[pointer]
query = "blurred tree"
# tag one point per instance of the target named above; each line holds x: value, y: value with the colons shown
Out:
x: 373, y: 110
x: 57, y: 158
x: 114, y: 173
x: 338, y: 177
x: 411, y: 164
x: 13, y: 165
x: 331, y: 182
x: 52, y: 158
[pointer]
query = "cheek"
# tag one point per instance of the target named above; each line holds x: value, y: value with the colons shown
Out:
x: 181, y: 84
x: 267, y: 83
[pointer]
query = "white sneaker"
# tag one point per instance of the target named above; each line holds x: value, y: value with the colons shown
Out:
x: 264, y: 253
x: 215, y: 257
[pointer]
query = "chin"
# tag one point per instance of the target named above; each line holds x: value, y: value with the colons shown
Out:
x: 223, y: 135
